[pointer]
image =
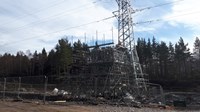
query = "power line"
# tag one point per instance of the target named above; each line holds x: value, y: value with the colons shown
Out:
x: 69, y: 28
x: 155, y: 6
x: 104, y: 19
x: 100, y: 0
x: 37, y: 11
x: 57, y: 15
x: 43, y: 21
x: 82, y: 6
x: 158, y: 20
x: 79, y: 7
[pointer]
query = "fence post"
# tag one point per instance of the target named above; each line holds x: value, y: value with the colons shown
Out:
x: 19, y: 87
x: 95, y: 88
x: 4, y: 89
x: 45, y: 88
x: 162, y: 95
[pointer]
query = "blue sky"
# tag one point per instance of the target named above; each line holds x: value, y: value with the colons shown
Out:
x: 36, y: 24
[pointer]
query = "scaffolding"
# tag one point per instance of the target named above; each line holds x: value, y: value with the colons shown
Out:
x: 110, y: 71
x: 112, y: 68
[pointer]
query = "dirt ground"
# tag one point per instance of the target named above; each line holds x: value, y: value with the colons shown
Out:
x: 9, y: 106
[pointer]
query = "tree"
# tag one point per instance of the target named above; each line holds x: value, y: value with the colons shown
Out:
x: 163, y: 58
x: 154, y: 49
x: 181, y: 55
x: 196, y: 58
x: 141, y: 49
x: 79, y: 51
x: 64, y: 55
x: 171, y: 52
x: 149, y: 50
x: 155, y: 64
x: 148, y: 56
x: 171, y: 65
x: 50, y: 65
x: 42, y: 61
x: 196, y: 50
x: 35, y: 64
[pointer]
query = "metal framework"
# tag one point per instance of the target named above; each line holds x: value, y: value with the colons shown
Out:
x: 125, y: 26
x: 126, y: 39
x: 110, y: 71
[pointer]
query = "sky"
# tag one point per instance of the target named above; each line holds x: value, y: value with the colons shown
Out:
x: 30, y: 25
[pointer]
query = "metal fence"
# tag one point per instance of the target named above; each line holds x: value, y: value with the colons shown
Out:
x: 42, y: 88
x: 32, y: 88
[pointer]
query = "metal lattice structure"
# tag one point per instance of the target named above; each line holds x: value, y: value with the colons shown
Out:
x: 109, y: 72
x: 126, y: 39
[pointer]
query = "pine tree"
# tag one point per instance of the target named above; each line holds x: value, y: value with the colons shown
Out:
x: 181, y: 55
x: 139, y: 49
x: 155, y: 66
x: 42, y: 61
x: 196, y: 58
x: 154, y: 48
x: 51, y: 63
x: 171, y: 52
x: 196, y: 50
x: 171, y: 65
x: 163, y: 57
x: 149, y: 59
x: 64, y: 56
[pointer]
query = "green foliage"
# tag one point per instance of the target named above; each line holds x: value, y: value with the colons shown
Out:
x: 64, y: 52
x: 162, y: 61
x: 196, y: 49
x: 181, y: 50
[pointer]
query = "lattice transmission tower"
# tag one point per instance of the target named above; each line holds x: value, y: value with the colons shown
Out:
x: 126, y: 39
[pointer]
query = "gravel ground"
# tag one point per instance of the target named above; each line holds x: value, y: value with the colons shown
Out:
x: 38, y: 107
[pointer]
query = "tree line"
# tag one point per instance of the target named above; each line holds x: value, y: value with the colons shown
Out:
x: 164, y: 63
x: 168, y: 64
x: 55, y: 63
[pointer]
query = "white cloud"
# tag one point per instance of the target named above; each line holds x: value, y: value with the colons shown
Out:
x: 25, y: 26
x: 35, y: 24
x: 186, y: 12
